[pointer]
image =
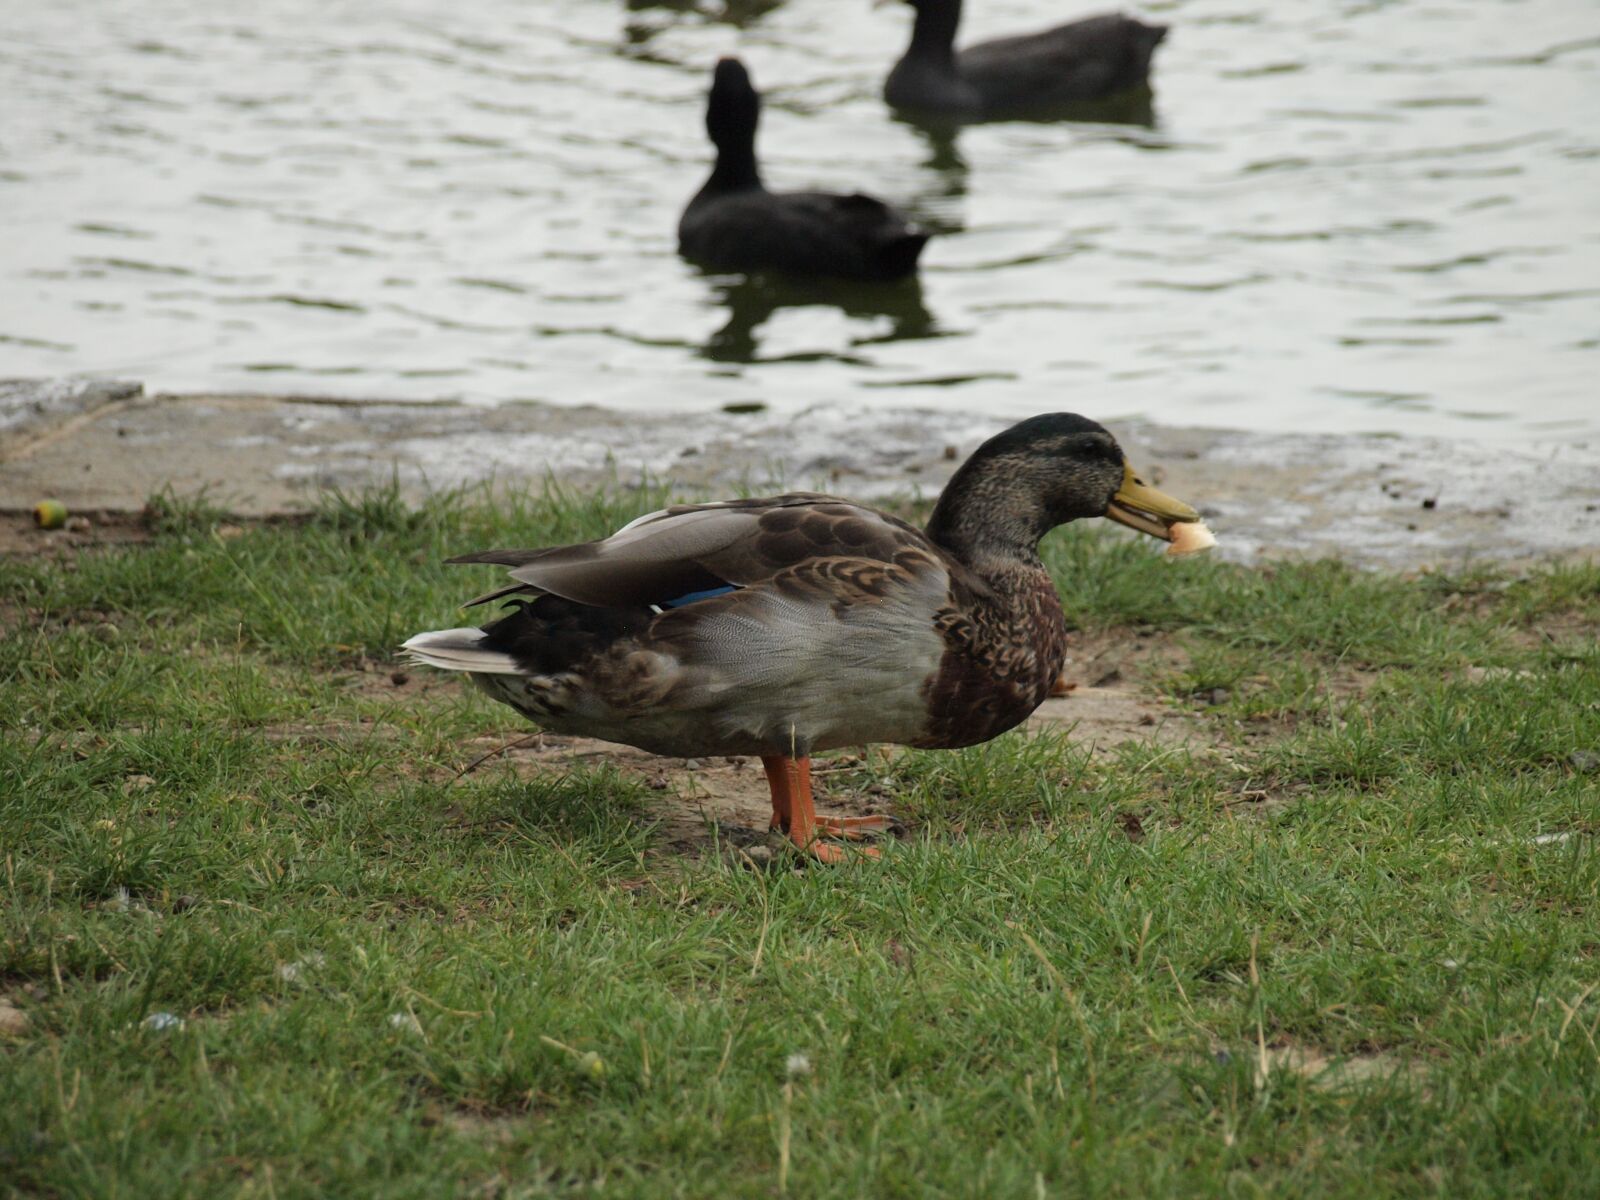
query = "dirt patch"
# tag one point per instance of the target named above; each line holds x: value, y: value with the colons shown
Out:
x: 1109, y: 692
x: 21, y: 538
x: 705, y: 803
x: 1335, y: 1072
x: 374, y: 679
x: 1567, y: 634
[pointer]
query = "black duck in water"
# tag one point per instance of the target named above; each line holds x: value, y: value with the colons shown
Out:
x: 735, y: 223
x: 1097, y: 58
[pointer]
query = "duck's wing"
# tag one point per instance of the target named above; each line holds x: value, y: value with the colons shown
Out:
x: 1082, y: 60
x: 850, y: 235
x: 855, y: 234
x: 662, y: 557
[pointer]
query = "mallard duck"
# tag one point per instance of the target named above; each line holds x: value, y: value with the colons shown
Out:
x: 734, y: 223
x: 1093, y: 59
x: 788, y: 625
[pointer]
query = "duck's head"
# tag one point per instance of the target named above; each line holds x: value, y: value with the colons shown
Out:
x: 1044, y: 472
x: 733, y: 107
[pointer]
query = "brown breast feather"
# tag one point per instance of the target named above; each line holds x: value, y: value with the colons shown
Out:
x: 1003, y: 653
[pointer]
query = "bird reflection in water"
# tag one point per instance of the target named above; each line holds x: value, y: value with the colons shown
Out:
x: 739, y: 14
x: 937, y: 202
x: 946, y: 169
x: 752, y: 300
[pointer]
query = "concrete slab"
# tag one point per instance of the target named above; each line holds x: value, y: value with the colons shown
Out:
x: 1398, y: 502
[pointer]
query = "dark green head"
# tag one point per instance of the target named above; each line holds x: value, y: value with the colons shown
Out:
x: 1040, y: 473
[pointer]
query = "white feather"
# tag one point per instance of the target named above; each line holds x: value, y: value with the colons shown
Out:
x: 637, y: 521
x: 459, y: 650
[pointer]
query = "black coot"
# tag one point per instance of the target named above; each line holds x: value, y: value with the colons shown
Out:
x: 1096, y: 58
x: 734, y: 223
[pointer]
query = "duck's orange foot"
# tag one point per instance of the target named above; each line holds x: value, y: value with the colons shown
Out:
x: 853, y: 829
x: 850, y: 829
x: 827, y: 852
x: 793, y: 812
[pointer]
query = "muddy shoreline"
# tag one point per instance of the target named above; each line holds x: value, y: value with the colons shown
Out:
x: 1396, y: 502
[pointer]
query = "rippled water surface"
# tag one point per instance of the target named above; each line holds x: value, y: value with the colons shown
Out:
x: 1340, y: 216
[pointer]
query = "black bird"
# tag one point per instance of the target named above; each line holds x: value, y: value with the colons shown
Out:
x: 1096, y: 58
x: 734, y: 223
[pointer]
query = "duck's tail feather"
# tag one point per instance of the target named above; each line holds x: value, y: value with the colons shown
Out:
x: 898, y: 256
x: 459, y: 650
x: 1146, y: 39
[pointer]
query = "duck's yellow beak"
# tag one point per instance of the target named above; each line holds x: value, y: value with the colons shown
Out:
x: 1140, y: 506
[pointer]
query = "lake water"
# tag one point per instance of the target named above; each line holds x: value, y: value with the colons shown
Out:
x: 1341, y: 216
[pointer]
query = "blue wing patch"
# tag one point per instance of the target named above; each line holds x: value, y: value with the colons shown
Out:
x: 692, y: 597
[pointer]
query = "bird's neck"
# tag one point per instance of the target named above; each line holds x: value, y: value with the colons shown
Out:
x: 736, y: 169
x: 933, y: 35
x: 989, y: 524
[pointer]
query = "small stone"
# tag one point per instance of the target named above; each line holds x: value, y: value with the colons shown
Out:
x: 78, y: 525
x: 797, y: 1066
x: 293, y: 972
x: 184, y: 903
x: 758, y: 854
x: 691, y: 764
x: 950, y: 453
x: 1585, y: 762
x: 1492, y: 674
x: 405, y: 1022
x: 161, y: 1022
x: 1431, y: 502
x: 13, y: 1021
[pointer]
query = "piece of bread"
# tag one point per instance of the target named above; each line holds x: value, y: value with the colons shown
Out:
x: 1190, y: 537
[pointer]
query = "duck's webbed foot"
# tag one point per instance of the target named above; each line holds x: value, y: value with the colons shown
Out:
x: 854, y: 829
x: 794, y: 812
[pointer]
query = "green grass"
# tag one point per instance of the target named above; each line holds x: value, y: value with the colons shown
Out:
x: 1352, y: 951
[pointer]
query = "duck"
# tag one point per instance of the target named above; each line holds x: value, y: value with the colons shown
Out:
x: 735, y: 223
x: 783, y: 626
x: 1096, y: 58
